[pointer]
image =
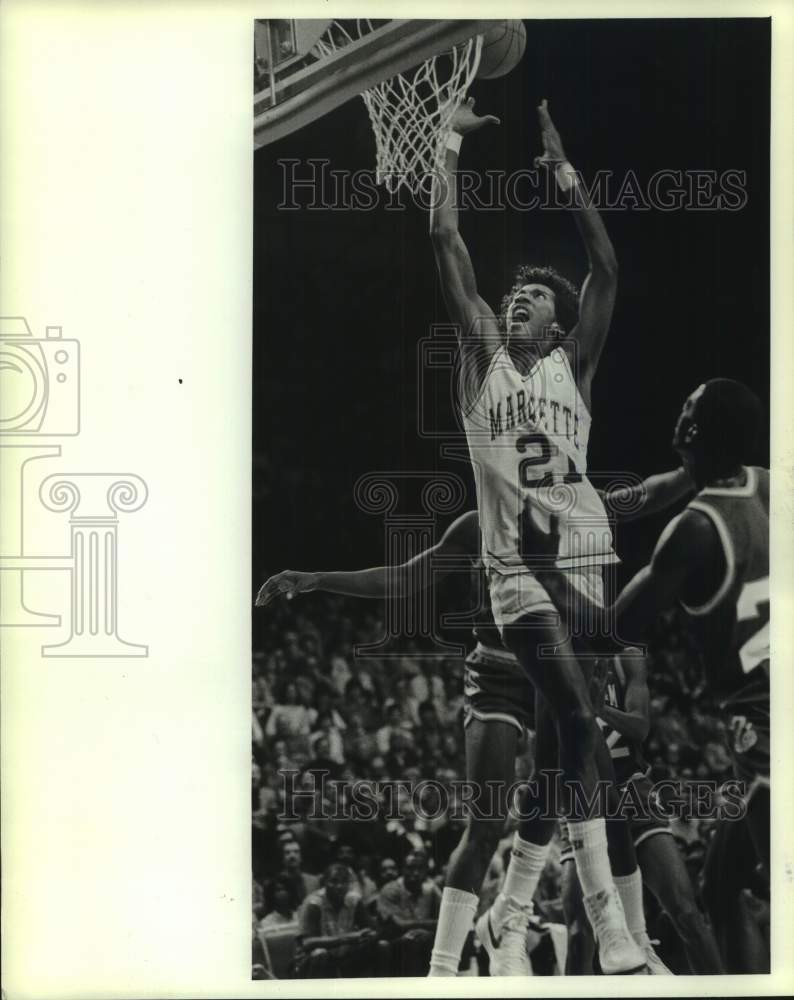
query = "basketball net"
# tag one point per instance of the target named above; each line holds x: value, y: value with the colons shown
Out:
x: 411, y: 113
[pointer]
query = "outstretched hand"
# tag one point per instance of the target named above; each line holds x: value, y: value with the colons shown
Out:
x: 539, y: 549
x: 288, y: 582
x: 464, y: 120
x: 553, y: 153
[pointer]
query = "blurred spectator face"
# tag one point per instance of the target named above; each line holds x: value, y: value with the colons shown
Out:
x: 337, y: 884
x: 322, y: 747
x: 345, y: 855
x: 398, y: 741
x: 290, y: 694
x: 432, y: 740
x: 325, y: 721
x: 378, y: 767
x: 428, y: 719
x: 450, y: 745
x: 354, y: 695
x: 716, y: 757
x: 280, y: 748
x: 387, y: 870
x: 305, y: 689
x: 323, y: 704
x: 393, y: 716
x: 282, y: 897
x: 673, y: 753
x: 291, y: 855
x: 414, y: 872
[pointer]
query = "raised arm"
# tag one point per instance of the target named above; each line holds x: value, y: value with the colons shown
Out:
x: 597, y: 299
x: 460, y: 540
x: 478, y: 329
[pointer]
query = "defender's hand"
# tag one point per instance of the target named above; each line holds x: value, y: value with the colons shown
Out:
x: 553, y: 153
x: 539, y: 549
x: 288, y: 582
x: 464, y: 120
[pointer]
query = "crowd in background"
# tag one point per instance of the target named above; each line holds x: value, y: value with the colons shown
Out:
x: 320, y: 710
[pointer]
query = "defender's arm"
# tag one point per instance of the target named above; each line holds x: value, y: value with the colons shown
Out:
x: 461, y: 539
x: 650, y: 496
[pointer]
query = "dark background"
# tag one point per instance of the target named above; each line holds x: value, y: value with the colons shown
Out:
x: 342, y: 298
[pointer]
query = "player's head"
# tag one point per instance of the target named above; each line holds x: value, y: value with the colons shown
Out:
x: 540, y: 304
x: 718, y: 428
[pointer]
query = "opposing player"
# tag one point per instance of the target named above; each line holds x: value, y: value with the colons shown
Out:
x: 525, y: 381
x: 621, y: 698
x: 712, y: 561
x: 498, y: 708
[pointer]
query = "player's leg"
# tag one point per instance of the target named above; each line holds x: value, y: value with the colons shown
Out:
x: 490, y: 757
x: 561, y: 682
x: 502, y: 929
x: 666, y: 875
x: 581, y: 942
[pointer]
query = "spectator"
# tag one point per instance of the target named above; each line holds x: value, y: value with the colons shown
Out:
x: 295, y: 718
x: 335, y: 936
x: 408, y: 908
x: 281, y: 914
x: 322, y: 765
x: 394, y: 724
x: 291, y: 869
x: 387, y: 870
x: 331, y: 726
x: 362, y: 883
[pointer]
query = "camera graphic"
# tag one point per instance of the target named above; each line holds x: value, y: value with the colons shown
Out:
x: 39, y: 381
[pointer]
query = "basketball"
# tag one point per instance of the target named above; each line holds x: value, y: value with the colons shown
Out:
x: 502, y: 48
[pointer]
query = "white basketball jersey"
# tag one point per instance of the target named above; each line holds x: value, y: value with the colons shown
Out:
x: 528, y: 438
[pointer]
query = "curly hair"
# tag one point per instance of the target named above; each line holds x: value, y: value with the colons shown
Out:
x: 566, y: 295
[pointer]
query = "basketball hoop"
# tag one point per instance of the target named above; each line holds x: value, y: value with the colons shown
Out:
x: 411, y: 112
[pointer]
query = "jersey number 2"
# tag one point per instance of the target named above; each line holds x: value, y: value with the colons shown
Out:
x: 547, y: 453
x: 753, y: 603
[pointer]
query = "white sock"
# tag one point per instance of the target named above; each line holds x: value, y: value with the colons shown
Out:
x: 527, y: 861
x: 455, y: 919
x: 589, y: 842
x: 630, y: 889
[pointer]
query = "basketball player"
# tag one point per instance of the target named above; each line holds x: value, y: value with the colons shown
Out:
x: 525, y: 383
x: 713, y: 561
x: 621, y: 700
x: 498, y: 702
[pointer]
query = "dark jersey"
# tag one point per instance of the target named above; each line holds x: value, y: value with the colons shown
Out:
x: 627, y: 758
x: 732, y: 627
